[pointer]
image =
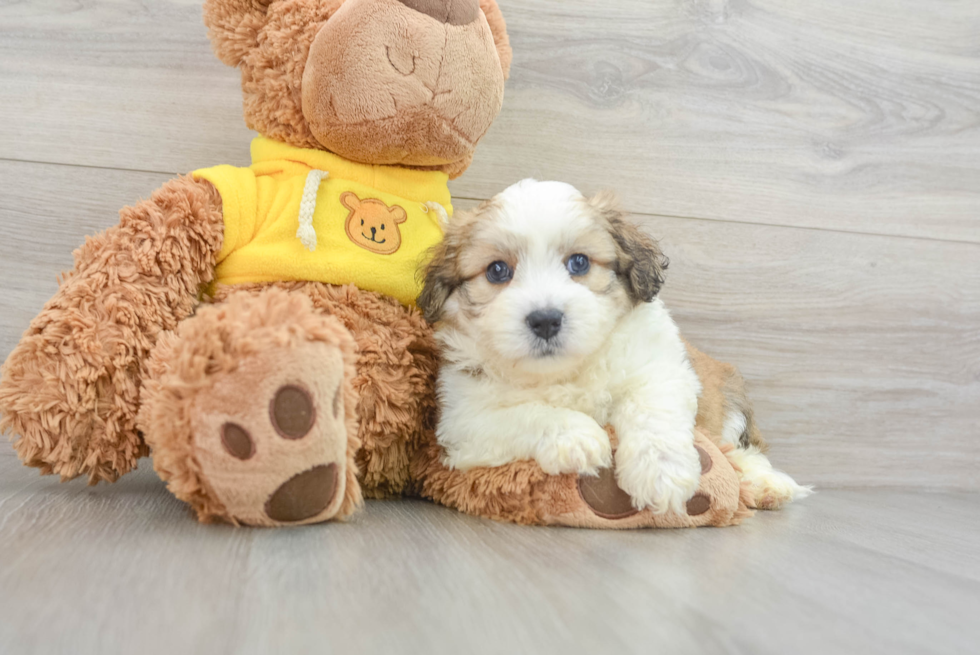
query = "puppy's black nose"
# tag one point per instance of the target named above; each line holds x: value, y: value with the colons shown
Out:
x: 545, y: 323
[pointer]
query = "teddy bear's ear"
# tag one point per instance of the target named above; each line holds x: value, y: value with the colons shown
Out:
x: 234, y: 26
x: 499, y: 30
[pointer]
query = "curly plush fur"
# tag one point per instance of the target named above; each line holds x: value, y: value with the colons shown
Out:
x: 70, y: 389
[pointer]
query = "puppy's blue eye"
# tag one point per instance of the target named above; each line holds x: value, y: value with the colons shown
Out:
x: 499, y: 273
x: 578, y: 265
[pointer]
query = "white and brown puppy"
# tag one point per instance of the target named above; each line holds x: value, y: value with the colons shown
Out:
x: 545, y: 304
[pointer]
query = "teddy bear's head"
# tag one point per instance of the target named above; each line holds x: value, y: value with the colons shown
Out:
x: 400, y: 82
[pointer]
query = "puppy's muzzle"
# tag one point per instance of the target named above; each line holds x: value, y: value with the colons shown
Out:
x: 545, y: 323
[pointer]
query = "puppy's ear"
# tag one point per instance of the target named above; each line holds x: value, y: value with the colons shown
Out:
x: 640, y: 262
x: 440, y: 278
x: 443, y: 275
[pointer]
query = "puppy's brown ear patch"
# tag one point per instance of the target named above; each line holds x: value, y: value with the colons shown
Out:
x: 639, y: 263
x: 441, y: 277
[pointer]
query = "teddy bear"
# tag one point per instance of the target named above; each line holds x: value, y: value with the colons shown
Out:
x: 255, y: 328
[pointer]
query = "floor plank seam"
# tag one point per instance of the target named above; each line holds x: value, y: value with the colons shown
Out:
x: 777, y: 225
x: 635, y: 213
x: 88, y: 166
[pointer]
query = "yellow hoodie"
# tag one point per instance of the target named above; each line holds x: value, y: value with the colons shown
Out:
x: 298, y: 214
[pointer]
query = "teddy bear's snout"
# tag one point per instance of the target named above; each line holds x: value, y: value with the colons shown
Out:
x: 452, y: 12
x: 425, y: 91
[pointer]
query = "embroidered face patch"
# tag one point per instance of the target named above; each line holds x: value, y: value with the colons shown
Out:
x: 372, y: 224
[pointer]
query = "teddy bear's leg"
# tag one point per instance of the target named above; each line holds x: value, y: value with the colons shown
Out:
x: 250, y: 411
x: 70, y: 389
x: 395, y: 381
x: 521, y: 492
x: 719, y: 501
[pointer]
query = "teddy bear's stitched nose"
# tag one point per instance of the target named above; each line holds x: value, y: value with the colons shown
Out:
x: 453, y: 12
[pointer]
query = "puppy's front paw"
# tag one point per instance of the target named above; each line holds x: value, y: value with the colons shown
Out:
x: 579, y: 446
x: 658, y: 478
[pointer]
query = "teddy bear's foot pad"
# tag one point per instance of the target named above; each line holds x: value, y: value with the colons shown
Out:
x: 599, y: 502
x: 270, y: 436
x: 605, y: 497
x: 521, y: 492
x: 607, y: 500
x: 248, y: 411
x: 292, y: 414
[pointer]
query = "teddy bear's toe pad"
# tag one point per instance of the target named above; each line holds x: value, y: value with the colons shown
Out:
x: 698, y: 505
x: 292, y: 412
x: 237, y: 441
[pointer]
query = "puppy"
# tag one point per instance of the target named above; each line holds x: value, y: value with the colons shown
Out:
x: 545, y: 304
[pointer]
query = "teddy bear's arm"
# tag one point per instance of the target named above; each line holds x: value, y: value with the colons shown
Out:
x: 69, y: 391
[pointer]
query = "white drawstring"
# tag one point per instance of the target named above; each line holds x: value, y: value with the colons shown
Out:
x: 440, y: 213
x: 307, y: 207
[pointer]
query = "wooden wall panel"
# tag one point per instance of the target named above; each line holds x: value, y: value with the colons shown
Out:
x: 860, y: 117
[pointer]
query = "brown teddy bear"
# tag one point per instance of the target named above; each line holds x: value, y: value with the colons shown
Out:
x: 255, y: 327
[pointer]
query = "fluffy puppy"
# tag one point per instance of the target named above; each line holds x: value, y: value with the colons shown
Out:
x: 545, y: 304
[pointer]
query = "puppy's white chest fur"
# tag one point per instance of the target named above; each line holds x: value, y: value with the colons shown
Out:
x: 495, y: 416
x: 589, y: 392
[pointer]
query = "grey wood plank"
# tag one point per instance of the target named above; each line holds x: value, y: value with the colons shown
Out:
x: 124, y: 568
x: 856, y: 116
x: 862, y: 352
x: 118, y: 84
x: 45, y: 213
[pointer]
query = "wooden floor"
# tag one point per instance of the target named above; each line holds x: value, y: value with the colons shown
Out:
x: 813, y: 171
x: 126, y: 570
